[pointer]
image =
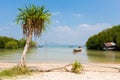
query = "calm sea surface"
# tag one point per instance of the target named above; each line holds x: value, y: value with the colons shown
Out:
x: 60, y: 54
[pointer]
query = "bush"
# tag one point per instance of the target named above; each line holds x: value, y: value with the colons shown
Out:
x: 22, y: 43
x: 108, y: 35
x: 32, y: 44
x: 76, y: 67
x: 11, y: 45
x: 17, y: 70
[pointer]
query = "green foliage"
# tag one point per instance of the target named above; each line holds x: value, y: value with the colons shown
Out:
x: 22, y: 42
x: 118, y: 43
x: 76, y: 67
x: 33, y: 17
x: 4, y: 40
x: 32, y: 44
x: 17, y: 70
x: 109, y: 35
x: 11, y: 43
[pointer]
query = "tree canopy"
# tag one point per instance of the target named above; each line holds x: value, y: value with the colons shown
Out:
x: 109, y: 35
x: 11, y: 43
x: 35, y: 18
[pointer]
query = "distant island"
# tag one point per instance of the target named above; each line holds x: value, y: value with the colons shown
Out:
x: 106, y: 39
x: 11, y: 43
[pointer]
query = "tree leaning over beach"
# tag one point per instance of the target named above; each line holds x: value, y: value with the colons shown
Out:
x: 34, y: 20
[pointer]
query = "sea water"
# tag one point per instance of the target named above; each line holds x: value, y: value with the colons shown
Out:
x: 60, y: 54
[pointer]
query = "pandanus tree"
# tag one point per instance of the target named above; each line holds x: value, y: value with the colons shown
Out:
x: 33, y: 20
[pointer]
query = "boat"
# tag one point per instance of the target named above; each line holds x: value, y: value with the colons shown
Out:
x: 77, y: 50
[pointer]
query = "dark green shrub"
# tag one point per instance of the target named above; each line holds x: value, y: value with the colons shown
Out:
x: 108, y: 35
x: 32, y: 44
x: 11, y: 45
x: 22, y: 43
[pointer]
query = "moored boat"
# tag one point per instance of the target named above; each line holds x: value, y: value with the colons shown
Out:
x: 77, y: 50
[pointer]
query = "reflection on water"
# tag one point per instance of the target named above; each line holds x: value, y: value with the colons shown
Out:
x: 60, y: 54
x: 104, y: 56
x: 10, y: 55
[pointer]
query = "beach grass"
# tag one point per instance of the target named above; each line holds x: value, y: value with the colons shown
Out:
x: 76, y: 67
x: 17, y: 70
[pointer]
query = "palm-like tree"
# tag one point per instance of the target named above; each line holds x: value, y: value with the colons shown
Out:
x: 34, y: 20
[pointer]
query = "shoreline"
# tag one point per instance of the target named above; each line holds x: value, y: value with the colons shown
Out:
x: 58, y: 64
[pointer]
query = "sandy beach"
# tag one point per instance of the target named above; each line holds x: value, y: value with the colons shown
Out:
x: 92, y: 71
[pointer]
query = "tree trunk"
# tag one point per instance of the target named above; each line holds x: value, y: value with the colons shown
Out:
x: 23, y: 57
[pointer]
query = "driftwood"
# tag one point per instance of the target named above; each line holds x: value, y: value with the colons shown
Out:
x: 112, y: 68
x: 68, y: 70
x: 106, y: 67
x: 57, y: 69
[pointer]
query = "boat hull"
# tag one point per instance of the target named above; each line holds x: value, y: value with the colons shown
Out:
x: 77, y: 50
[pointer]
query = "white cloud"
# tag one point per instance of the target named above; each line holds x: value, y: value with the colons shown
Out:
x: 99, y: 26
x: 13, y: 24
x: 55, y: 13
x: 84, y: 25
x: 56, y: 21
x: 74, y: 35
x: 61, y: 34
x: 63, y: 29
x: 4, y: 28
x: 77, y: 14
x: 7, y: 27
x: 0, y: 28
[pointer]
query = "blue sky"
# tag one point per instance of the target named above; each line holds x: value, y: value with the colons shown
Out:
x: 73, y: 21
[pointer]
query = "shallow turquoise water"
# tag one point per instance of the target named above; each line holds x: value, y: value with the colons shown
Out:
x: 60, y: 54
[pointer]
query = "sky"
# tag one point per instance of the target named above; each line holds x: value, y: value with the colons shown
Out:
x: 73, y: 21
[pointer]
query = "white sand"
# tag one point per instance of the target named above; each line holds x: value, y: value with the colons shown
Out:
x: 92, y: 71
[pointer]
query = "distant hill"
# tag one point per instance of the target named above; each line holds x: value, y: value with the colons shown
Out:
x: 109, y: 35
x: 56, y: 44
